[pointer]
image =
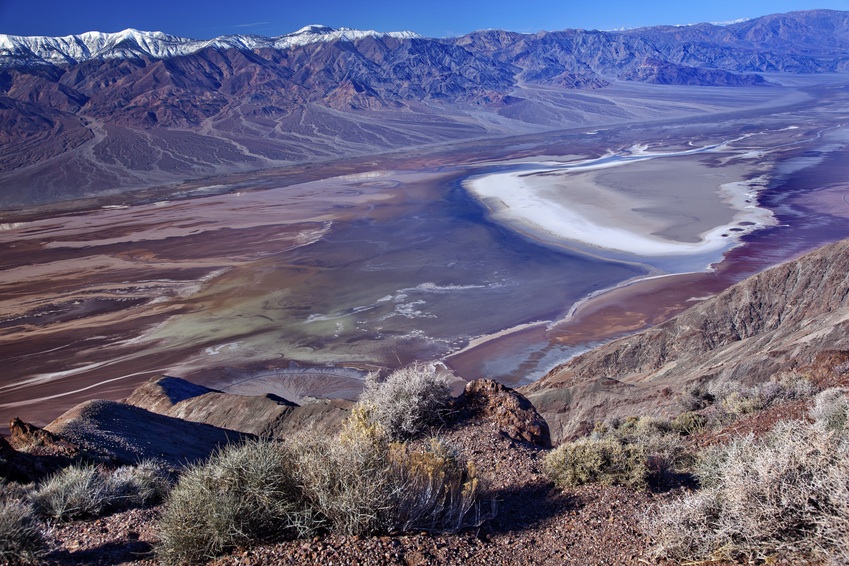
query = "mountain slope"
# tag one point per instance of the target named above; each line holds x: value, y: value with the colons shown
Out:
x: 18, y: 51
x: 263, y: 416
x: 777, y: 320
x: 96, y: 113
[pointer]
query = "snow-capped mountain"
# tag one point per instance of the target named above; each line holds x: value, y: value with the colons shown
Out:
x: 130, y: 43
x: 104, y: 111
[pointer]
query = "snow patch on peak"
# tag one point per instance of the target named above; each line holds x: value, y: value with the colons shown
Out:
x: 731, y: 22
x: 319, y: 33
x: 313, y: 29
x: 133, y: 43
x: 89, y: 45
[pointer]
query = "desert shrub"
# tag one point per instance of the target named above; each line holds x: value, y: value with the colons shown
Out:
x: 737, y: 399
x: 10, y: 490
x: 82, y: 491
x: 345, y: 478
x: 831, y: 409
x: 689, y: 529
x: 688, y: 423
x: 659, y: 439
x: 73, y: 493
x: 436, y: 488
x: 795, y: 386
x: 739, y: 403
x: 636, y: 452
x: 604, y: 460
x: 136, y: 486
x: 363, y: 483
x: 242, y: 494
x: 787, y: 493
x: 408, y: 400
x: 696, y: 397
x: 21, y: 541
x: 356, y: 483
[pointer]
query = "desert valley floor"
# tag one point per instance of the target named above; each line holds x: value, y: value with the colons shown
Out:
x: 495, y: 256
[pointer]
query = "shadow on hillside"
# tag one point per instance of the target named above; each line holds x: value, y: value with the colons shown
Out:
x: 518, y: 508
x: 521, y: 507
x: 671, y: 480
x: 115, y: 552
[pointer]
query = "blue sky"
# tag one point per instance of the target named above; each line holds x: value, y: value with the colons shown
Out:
x: 433, y: 18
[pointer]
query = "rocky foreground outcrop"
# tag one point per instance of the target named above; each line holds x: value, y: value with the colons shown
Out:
x: 508, y: 410
x: 776, y: 321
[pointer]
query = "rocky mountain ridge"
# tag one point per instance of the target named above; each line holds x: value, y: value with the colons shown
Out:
x: 97, y: 113
x: 808, y: 41
x: 21, y: 51
x: 776, y: 321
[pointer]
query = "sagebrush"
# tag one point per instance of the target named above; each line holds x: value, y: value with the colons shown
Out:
x: 359, y: 482
x: 242, y: 494
x: 84, y: 491
x: 362, y: 482
x: 604, y: 461
x: 831, y: 409
x: 408, y: 400
x: 786, y: 494
x: 636, y: 452
x: 21, y: 539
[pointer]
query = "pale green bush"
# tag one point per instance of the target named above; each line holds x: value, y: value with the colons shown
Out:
x: 787, y: 494
x: 831, y: 409
x: 738, y: 399
x: 73, y: 493
x: 657, y: 440
x: 83, y: 491
x: 408, y: 400
x: 606, y: 461
x: 242, y: 494
x: 689, y: 423
x: 21, y: 539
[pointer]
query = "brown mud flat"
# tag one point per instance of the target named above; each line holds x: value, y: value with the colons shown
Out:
x: 359, y: 264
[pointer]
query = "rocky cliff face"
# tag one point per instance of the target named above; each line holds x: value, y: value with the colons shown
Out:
x: 80, y: 115
x: 778, y: 320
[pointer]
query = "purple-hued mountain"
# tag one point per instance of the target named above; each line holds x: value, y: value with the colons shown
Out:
x: 94, y: 113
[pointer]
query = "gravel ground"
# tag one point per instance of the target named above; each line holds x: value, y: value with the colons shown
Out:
x: 121, y: 538
x: 535, y: 523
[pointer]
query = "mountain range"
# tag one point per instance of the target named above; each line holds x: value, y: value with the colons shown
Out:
x: 107, y: 112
